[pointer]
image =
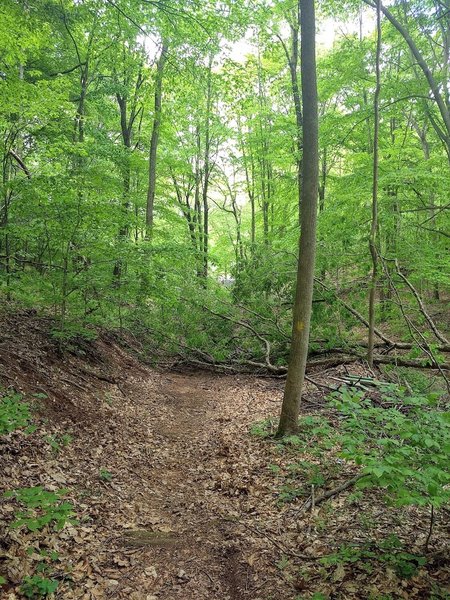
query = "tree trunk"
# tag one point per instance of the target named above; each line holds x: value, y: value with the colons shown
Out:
x: 374, y: 226
x: 323, y: 182
x: 198, y: 217
x: 4, y: 220
x: 434, y: 234
x: 126, y: 131
x: 309, y: 190
x: 297, y: 104
x: 250, y: 185
x: 292, y: 59
x: 263, y: 158
x: 207, y: 169
x: 154, y: 142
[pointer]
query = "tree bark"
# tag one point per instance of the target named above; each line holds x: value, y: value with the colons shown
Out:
x: 292, y: 59
x: 309, y: 191
x: 250, y: 184
x: 207, y: 169
x: 154, y: 141
x: 263, y: 153
x: 297, y: 104
x: 374, y: 225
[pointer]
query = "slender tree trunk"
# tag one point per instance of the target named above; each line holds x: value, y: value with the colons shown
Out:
x: 252, y: 206
x: 80, y: 116
x: 309, y: 190
x: 265, y: 207
x: 263, y: 158
x: 154, y: 142
x: 250, y: 179
x: 292, y: 59
x: 239, y: 249
x: 322, y: 193
x: 374, y: 225
x: 4, y: 219
x: 185, y: 206
x: 391, y: 234
x: 198, y: 217
x: 126, y: 129
x: 297, y: 104
x: 434, y: 234
x: 323, y: 181
x: 250, y: 184
x: 207, y: 169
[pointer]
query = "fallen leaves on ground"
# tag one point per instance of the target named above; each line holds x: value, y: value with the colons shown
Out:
x: 175, y: 499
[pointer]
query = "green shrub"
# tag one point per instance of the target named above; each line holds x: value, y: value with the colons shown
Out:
x: 14, y: 413
x: 38, y: 587
x: 389, y: 552
x: 403, y: 448
x: 42, y: 508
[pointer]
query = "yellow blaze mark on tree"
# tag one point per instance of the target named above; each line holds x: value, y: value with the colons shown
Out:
x: 300, y: 326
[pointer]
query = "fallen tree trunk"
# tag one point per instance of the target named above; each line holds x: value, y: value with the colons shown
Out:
x: 408, y: 362
x: 342, y: 356
x: 348, y: 358
x: 354, y: 312
x: 387, y: 342
x: 416, y: 295
x: 404, y: 346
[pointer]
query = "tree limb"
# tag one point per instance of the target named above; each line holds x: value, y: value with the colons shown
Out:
x: 20, y: 162
x: 430, y: 321
x: 355, y: 313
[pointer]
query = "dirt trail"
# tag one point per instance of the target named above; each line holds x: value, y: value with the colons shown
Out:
x: 200, y: 555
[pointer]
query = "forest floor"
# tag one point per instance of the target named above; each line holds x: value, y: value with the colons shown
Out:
x: 174, y: 497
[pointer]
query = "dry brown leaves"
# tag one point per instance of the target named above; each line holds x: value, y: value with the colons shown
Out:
x: 190, y: 508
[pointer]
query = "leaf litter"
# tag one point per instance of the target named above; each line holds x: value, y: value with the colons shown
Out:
x: 175, y: 499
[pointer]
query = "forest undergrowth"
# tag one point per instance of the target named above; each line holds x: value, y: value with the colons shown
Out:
x: 127, y: 481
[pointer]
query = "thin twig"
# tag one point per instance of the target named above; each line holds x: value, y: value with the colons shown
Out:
x: 430, y: 532
x: 277, y: 544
